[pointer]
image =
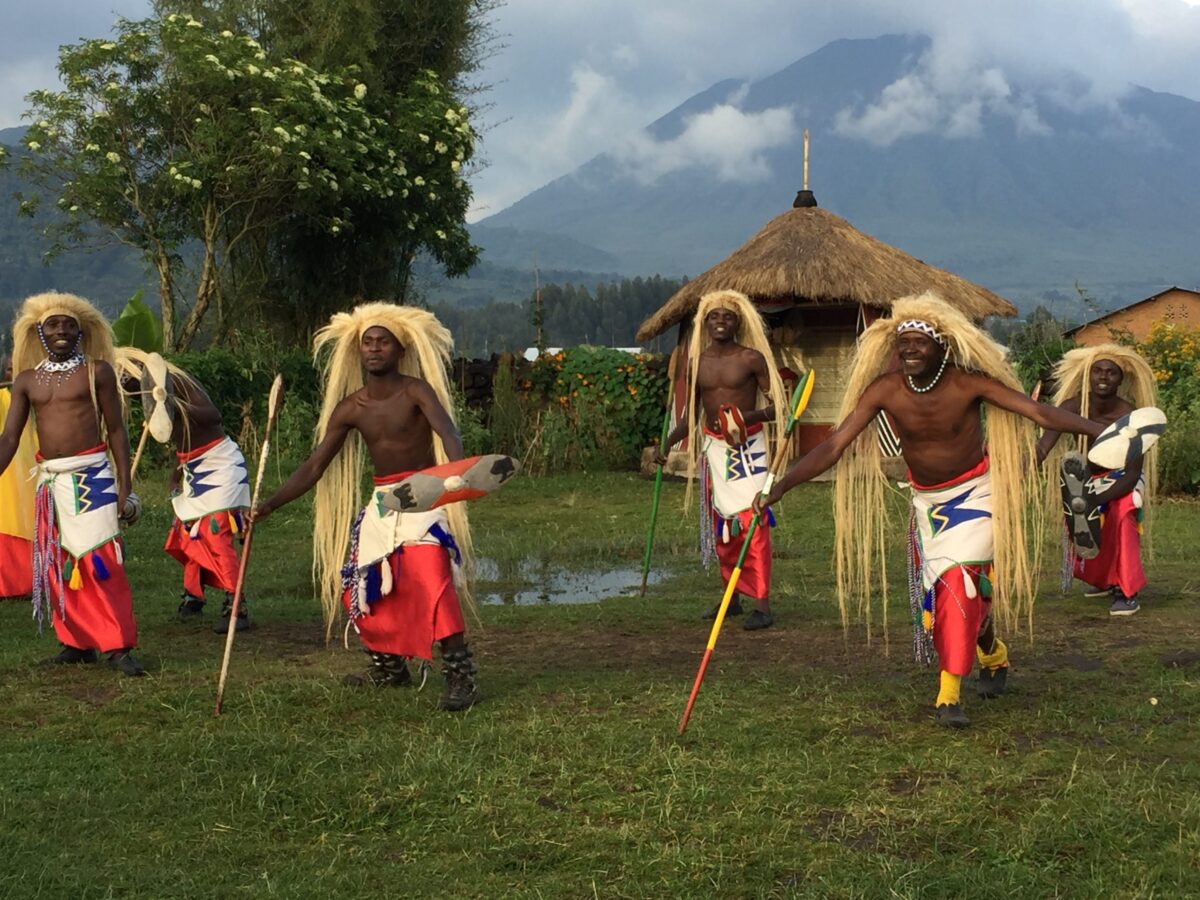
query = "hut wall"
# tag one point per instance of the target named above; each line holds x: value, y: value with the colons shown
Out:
x: 1175, y: 307
x: 824, y: 336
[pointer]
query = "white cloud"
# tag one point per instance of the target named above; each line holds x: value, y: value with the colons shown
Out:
x: 724, y: 140
x: 575, y: 79
x: 946, y: 95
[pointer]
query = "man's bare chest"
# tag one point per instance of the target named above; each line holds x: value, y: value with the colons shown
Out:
x: 393, y: 421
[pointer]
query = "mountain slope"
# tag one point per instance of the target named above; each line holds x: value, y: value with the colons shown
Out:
x: 1033, y: 200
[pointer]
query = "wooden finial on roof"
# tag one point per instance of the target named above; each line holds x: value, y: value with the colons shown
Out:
x: 804, y: 197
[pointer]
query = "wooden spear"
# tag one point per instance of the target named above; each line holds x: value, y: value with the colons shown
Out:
x: 799, y: 401
x: 273, y: 404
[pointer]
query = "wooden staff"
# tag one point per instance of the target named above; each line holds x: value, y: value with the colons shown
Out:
x: 137, y: 457
x: 799, y: 401
x: 658, y: 476
x: 272, y: 413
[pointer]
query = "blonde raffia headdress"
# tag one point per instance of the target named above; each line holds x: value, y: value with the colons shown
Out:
x: 95, y: 344
x: 96, y: 337
x: 860, y: 506
x: 750, y: 333
x: 1138, y: 387
x: 427, y: 353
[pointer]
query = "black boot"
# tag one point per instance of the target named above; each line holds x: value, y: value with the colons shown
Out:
x: 243, y: 616
x: 386, y: 670
x: 191, y: 607
x: 70, y: 656
x: 461, y: 691
x: 123, y: 661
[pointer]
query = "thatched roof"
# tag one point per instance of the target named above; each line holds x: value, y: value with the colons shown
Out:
x: 813, y: 256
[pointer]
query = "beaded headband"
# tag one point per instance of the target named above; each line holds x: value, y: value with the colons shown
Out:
x: 923, y: 327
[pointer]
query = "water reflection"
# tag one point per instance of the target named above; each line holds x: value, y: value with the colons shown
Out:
x: 550, y: 583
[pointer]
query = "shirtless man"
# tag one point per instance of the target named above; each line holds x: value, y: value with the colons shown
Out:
x: 963, y: 520
x: 210, y: 489
x: 1090, y: 381
x: 398, y: 585
x: 62, y: 357
x: 728, y: 376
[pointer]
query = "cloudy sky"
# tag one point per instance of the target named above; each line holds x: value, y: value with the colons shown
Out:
x: 576, y: 78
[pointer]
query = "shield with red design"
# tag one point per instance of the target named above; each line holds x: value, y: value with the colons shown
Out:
x: 463, y: 479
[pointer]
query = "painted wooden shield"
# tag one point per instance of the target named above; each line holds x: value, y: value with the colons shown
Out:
x: 1126, y: 440
x: 464, y: 479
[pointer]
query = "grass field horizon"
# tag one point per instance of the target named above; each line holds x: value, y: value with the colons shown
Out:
x: 812, y: 766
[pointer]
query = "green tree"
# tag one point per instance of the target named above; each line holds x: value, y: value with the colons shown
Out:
x: 299, y: 271
x: 1036, y: 345
x: 173, y: 131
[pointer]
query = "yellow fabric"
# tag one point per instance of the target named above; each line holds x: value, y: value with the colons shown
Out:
x: 16, y: 487
x: 997, y: 659
x: 950, y: 688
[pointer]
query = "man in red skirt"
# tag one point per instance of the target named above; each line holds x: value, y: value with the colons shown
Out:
x: 398, y: 584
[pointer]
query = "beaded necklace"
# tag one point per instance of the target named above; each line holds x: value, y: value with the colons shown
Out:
x: 936, y: 378
x: 61, y: 369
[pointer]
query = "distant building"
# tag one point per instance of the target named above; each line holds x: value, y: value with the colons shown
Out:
x: 1174, y: 306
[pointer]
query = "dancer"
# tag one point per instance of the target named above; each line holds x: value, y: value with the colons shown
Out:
x: 63, y: 356
x: 1099, y: 384
x: 16, y: 506
x: 969, y: 504
x: 210, y: 488
x: 729, y: 367
x: 398, y: 585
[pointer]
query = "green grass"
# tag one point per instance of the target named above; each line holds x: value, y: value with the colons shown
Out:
x: 811, y: 766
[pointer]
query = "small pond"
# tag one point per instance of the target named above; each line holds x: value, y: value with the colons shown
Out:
x: 541, y: 581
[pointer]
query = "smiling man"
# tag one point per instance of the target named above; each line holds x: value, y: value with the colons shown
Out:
x: 729, y: 369
x: 398, y: 585
x: 1099, y: 384
x: 970, y: 484
x: 62, y: 356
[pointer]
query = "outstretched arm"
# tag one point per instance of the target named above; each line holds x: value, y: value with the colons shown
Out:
x: 18, y: 415
x: 830, y: 450
x: 1050, y: 436
x: 1050, y: 417
x: 439, y: 420
x: 310, y: 471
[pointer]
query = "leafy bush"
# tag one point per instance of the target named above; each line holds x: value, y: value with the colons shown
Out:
x: 1174, y: 355
x: 583, y: 408
x: 609, y: 406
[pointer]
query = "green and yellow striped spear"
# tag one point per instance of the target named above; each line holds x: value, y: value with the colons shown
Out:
x: 800, y: 399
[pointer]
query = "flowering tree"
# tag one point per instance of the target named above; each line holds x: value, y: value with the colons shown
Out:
x: 174, y: 132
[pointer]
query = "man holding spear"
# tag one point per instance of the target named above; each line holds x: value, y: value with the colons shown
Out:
x: 970, y: 500
x: 728, y: 368
x: 398, y: 585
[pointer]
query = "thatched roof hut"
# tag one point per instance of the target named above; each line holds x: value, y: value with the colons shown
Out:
x: 818, y: 281
x: 810, y: 255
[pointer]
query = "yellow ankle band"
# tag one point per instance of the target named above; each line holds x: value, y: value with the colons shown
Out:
x: 950, y: 687
x: 997, y: 659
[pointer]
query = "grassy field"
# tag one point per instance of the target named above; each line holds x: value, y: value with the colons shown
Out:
x: 811, y: 768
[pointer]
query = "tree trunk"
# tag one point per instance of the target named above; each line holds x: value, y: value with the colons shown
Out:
x: 166, y: 297
x: 206, y: 288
